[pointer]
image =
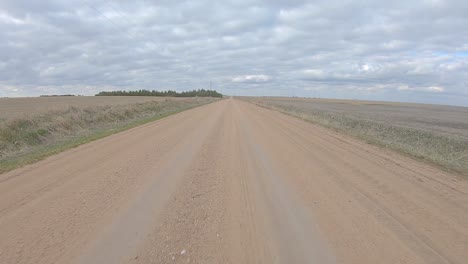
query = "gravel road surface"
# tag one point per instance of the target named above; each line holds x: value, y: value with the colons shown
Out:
x: 231, y: 182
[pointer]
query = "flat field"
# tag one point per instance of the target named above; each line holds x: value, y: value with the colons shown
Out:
x: 11, y: 108
x: 232, y: 182
x: 436, y: 133
x: 33, y: 128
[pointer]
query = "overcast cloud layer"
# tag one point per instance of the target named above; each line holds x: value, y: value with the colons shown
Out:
x: 382, y: 50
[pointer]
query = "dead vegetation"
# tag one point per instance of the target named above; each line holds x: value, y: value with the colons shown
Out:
x: 393, y: 125
x: 32, y: 137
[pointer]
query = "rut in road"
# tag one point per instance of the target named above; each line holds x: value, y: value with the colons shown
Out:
x: 231, y: 182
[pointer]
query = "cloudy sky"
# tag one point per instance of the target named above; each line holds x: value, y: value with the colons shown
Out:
x: 381, y: 50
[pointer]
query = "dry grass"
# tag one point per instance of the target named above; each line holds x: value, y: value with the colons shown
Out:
x: 440, y: 144
x: 12, y: 108
x: 32, y: 137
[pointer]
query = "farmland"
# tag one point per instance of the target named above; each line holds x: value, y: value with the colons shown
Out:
x: 209, y: 140
x: 33, y: 128
x: 11, y: 108
x: 434, y: 133
x: 230, y: 182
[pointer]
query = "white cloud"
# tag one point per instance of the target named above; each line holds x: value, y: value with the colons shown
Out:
x: 433, y: 89
x: 8, y: 19
x: 251, y: 78
x: 313, y: 73
x: 403, y: 88
x: 436, y: 89
x: 331, y: 49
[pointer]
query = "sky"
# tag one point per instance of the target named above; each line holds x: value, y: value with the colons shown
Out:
x: 411, y: 51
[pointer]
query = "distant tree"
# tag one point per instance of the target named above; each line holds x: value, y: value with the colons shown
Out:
x: 168, y: 93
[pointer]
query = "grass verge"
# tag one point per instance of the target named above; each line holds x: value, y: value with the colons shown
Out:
x: 30, y: 139
x: 447, y: 152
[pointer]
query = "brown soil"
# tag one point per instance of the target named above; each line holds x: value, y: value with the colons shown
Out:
x: 231, y: 182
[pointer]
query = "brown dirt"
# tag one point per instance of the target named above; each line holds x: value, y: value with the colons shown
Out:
x: 231, y: 182
x: 11, y: 108
x: 438, y: 119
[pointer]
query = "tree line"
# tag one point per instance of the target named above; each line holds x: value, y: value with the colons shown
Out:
x: 169, y: 93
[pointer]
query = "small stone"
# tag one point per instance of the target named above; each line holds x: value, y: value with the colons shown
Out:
x: 183, y: 252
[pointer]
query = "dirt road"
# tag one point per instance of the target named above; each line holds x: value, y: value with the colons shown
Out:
x: 231, y: 182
